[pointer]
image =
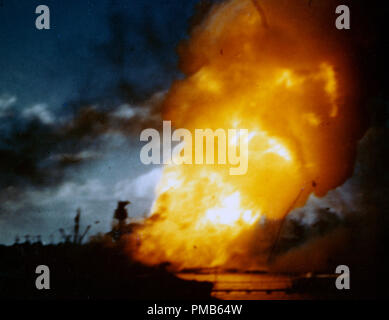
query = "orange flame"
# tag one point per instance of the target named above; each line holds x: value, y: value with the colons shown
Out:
x: 293, y: 91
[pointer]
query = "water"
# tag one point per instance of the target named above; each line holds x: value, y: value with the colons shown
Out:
x: 248, y: 286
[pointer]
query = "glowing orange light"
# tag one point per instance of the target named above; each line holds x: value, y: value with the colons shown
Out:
x: 280, y: 83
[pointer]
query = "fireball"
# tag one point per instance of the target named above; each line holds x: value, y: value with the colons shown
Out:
x: 269, y: 70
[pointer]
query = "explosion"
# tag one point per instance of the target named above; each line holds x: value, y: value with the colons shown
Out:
x: 274, y: 70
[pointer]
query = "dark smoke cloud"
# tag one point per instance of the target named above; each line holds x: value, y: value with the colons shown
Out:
x: 39, y: 153
x: 350, y: 224
x: 72, y: 104
x: 123, y: 70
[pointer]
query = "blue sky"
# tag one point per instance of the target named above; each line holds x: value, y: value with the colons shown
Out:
x: 114, y: 59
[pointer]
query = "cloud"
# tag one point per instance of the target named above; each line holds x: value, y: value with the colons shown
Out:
x: 141, y: 187
x: 6, y: 101
x: 342, y: 226
x: 40, y: 112
x: 75, y: 158
x: 50, y: 166
x: 125, y: 111
x: 89, y: 190
x: 44, y: 210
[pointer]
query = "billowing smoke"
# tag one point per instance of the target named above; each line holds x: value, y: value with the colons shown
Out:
x: 279, y: 70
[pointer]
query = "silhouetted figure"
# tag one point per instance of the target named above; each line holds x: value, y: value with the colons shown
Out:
x: 121, y: 216
x: 121, y: 211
